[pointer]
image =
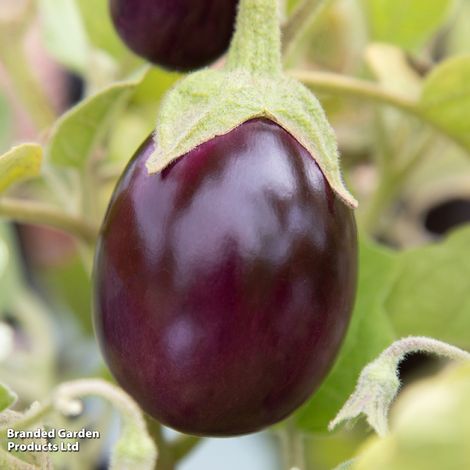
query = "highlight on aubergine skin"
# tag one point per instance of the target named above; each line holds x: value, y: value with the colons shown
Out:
x: 235, y: 271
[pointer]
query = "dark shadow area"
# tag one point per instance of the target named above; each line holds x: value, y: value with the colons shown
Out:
x: 447, y: 215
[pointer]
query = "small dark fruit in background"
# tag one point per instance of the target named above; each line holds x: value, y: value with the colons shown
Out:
x: 224, y: 285
x: 177, y: 34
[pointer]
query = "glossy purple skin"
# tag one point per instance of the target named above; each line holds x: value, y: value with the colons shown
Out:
x: 177, y: 34
x: 224, y: 285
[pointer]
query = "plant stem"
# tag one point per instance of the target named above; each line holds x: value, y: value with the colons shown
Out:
x: 169, y: 453
x: 303, y: 17
x: 256, y: 44
x: 165, y: 460
x: 40, y: 214
x: 292, y: 443
x: 348, y: 86
x: 32, y: 417
x: 184, y: 446
x: 413, y: 344
x: 379, y: 383
x: 22, y: 78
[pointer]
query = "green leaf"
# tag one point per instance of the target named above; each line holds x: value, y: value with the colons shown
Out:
x: 133, y: 126
x: 369, y: 334
x: 211, y: 102
x: 128, y: 132
x: 445, y: 99
x: 18, y: 164
x: 405, y: 23
x: 64, y: 34
x: 78, y: 132
x: 154, y: 85
x: 431, y: 293
x: 7, y: 397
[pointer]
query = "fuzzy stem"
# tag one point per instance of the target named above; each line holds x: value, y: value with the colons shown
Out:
x: 66, y: 400
x: 256, y: 44
x: 67, y: 393
x: 40, y: 214
x: 33, y: 416
x: 378, y: 383
x: 134, y: 431
x: 413, y: 344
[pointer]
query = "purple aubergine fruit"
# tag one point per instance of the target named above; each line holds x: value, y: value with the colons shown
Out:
x: 224, y: 284
x: 177, y: 34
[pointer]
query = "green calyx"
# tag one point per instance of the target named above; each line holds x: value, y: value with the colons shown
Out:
x: 212, y: 102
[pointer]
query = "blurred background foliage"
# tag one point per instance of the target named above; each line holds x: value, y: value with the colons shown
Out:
x: 394, y: 78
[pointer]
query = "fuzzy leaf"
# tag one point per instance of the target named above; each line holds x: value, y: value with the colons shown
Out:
x: 211, y: 103
x: 430, y: 427
x: 379, y: 382
x: 20, y: 163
